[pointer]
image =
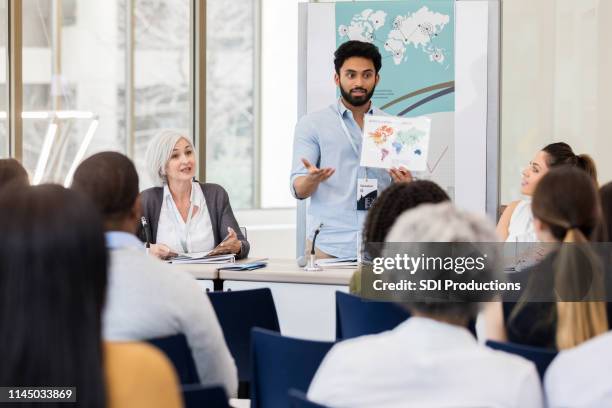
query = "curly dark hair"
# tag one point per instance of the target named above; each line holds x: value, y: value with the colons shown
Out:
x: 357, y: 49
x: 396, y: 199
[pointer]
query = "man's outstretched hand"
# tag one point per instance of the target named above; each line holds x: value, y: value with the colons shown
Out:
x: 316, y: 174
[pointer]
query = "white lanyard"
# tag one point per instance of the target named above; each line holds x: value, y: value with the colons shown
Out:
x: 347, y: 133
x: 350, y: 139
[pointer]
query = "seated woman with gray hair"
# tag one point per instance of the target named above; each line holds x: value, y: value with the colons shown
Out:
x: 183, y: 215
x: 431, y: 359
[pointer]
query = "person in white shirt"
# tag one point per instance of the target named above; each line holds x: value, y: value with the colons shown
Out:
x: 516, y: 222
x: 183, y: 215
x: 145, y: 297
x: 430, y: 360
x: 579, y: 377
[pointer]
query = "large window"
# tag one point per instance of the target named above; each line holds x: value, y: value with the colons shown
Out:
x: 72, y: 73
x: 161, y: 72
x: 230, y: 98
x: 101, y: 76
x: 555, y: 83
x: 107, y: 75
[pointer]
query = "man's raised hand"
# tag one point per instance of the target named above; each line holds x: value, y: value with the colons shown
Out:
x: 316, y: 174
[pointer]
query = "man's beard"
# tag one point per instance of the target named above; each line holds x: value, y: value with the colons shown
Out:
x: 357, y: 101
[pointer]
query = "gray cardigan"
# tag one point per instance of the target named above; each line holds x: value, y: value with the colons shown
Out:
x: 219, y: 209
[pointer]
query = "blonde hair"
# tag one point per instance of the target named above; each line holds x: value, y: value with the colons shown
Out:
x: 159, y: 152
x: 578, y: 322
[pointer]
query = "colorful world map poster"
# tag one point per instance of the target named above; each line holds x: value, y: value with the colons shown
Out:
x: 391, y: 141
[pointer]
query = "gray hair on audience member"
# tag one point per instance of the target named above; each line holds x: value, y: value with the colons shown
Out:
x: 159, y: 153
x: 426, y: 224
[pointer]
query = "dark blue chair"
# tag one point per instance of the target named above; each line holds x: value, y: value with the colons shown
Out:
x: 198, y: 396
x: 541, y: 357
x: 357, y: 317
x: 238, y: 312
x: 177, y: 350
x: 281, y: 363
x: 298, y: 399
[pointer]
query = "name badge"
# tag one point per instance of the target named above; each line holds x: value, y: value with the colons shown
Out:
x: 367, y: 192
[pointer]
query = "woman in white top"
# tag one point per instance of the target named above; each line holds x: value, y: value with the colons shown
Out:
x: 182, y: 215
x: 516, y: 223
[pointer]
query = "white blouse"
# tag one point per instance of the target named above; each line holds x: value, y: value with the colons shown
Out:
x: 521, y: 228
x: 193, y: 235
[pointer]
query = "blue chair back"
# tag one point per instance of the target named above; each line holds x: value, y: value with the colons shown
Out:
x: 357, y: 317
x: 238, y: 312
x: 198, y: 396
x: 281, y: 363
x: 541, y: 357
x: 177, y: 350
x: 298, y: 399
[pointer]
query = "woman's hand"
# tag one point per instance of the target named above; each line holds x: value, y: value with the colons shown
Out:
x: 161, y: 251
x: 230, y: 244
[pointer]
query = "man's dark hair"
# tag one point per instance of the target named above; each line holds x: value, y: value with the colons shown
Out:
x: 52, y: 287
x: 357, y: 49
x: 110, y: 180
x: 11, y: 171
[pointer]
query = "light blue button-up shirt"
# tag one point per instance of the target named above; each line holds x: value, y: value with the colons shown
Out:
x: 121, y: 239
x: 321, y: 139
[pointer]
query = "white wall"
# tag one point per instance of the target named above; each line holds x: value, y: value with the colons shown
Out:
x: 278, y: 99
x: 556, y: 83
x: 271, y: 233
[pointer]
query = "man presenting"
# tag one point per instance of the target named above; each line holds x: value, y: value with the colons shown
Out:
x: 327, y: 150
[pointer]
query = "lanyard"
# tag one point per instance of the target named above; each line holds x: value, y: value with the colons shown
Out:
x: 350, y: 139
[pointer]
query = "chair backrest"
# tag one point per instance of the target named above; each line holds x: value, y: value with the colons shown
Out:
x: 298, y: 399
x: 281, y: 363
x: 178, y: 351
x: 198, y: 396
x: 541, y: 357
x: 357, y: 317
x: 238, y: 312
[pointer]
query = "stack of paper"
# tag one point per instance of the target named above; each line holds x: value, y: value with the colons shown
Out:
x: 202, y: 258
x: 338, y: 263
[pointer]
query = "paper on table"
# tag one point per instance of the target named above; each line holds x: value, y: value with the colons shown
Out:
x: 390, y: 141
x: 338, y: 262
x: 202, y: 258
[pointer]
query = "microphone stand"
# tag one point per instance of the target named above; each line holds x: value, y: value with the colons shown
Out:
x: 312, y: 266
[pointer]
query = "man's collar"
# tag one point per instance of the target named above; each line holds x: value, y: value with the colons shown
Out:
x: 121, y: 239
x: 342, y: 107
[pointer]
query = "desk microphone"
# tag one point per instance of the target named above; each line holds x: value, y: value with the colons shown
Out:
x: 145, y: 227
x: 311, y: 261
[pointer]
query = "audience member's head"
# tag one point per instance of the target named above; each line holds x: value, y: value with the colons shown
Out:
x: 161, y: 151
x: 566, y: 208
x: 110, y: 180
x: 606, y: 207
x: 52, y: 290
x: 551, y: 156
x: 428, y: 224
x: 12, y: 172
x: 396, y: 199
